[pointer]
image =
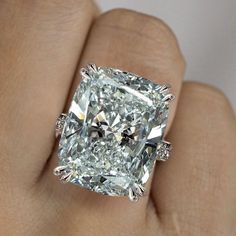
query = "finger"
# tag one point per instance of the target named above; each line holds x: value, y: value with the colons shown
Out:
x: 196, y: 190
x: 133, y: 42
x: 40, y: 43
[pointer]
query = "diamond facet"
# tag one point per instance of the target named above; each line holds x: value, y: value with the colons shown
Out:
x: 112, y: 132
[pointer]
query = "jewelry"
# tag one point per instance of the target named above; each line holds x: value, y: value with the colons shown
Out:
x: 113, y: 132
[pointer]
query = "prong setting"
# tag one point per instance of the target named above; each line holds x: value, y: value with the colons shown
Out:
x: 84, y: 73
x: 169, y: 97
x: 165, y: 88
x: 93, y: 67
x: 60, y: 124
x: 132, y: 196
x: 65, y: 178
x: 59, y: 170
x: 64, y: 173
x: 135, y: 192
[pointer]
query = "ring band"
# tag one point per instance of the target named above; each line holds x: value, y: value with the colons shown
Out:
x: 113, y: 132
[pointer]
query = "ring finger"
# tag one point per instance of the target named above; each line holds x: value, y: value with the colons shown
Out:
x: 137, y: 43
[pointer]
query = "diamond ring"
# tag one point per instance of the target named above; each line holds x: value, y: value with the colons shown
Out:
x: 112, y: 135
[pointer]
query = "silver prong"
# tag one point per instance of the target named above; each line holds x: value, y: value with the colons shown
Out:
x: 84, y: 73
x: 169, y: 97
x: 139, y: 189
x: 66, y: 177
x: 92, y: 67
x: 132, y: 195
x: 163, y: 151
x: 60, y: 124
x: 59, y: 170
x: 165, y: 88
x: 136, y: 191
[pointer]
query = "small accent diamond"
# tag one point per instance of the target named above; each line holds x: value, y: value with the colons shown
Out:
x: 163, y: 151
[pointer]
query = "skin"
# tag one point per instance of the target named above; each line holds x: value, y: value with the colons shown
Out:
x: 42, y: 44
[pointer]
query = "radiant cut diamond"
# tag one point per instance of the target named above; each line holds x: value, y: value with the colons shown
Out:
x: 115, y: 124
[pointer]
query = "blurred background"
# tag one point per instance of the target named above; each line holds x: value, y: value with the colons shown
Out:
x: 206, y: 30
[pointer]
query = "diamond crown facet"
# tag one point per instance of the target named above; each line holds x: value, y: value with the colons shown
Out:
x: 113, y: 132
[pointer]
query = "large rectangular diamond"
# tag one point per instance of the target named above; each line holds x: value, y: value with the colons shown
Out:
x: 115, y: 122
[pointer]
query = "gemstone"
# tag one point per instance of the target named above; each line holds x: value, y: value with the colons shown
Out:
x: 113, y: 131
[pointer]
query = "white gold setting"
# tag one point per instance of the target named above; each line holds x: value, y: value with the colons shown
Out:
x: 60, y: 124
x: 112, y: 135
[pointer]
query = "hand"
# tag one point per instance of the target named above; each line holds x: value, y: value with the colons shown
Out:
x: 41, y: 45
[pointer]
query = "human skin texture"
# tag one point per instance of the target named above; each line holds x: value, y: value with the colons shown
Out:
x: 42, y: 45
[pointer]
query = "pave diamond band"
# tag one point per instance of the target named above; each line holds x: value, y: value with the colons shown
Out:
x: 113, y: 132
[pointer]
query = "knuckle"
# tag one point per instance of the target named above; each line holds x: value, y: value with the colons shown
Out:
x: 149, y: 31
x: 128, y: 19
x: 205, y: 91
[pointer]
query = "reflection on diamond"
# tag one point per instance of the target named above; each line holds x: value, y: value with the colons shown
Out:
x: 110, y: 137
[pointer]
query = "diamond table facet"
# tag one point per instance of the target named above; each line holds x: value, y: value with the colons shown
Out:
x: 111, y: 135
